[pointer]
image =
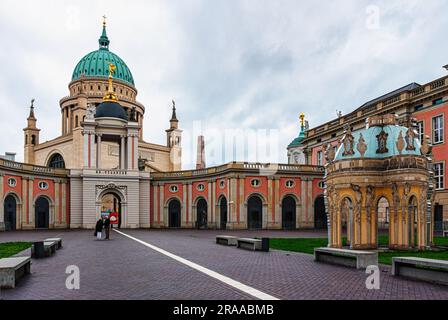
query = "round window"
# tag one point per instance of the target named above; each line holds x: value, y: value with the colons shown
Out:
x: 174, y: 189
x: 222, y: 184
x: 321, y: 185
x: 201, y: 187
x: 290, y: 184
x: 255, y: 183
x: 12, y: 182
x: 43, y: 185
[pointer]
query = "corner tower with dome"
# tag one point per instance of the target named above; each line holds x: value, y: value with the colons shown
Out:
x: 89, y: 84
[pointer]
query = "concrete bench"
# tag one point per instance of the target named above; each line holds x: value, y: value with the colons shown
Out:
x: 49, y: 249
x: 249, y: 244
x: 227, y: 240
x: 348, y: 258
x: 57, y: 240
x: 12, y: 270
x: 435, y: 271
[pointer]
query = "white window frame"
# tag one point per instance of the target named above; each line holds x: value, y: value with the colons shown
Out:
x: 222, y: 184
x: 421, y: 130
x: 437, y: 175
x: 200, y: 187
x: 320, y: 158
x: 174, y: 189
x: 441, y: 130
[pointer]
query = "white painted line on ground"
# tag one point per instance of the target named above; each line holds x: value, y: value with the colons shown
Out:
x: 233, y: 283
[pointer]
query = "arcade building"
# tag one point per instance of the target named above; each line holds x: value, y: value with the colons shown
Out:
x: 100, y: 163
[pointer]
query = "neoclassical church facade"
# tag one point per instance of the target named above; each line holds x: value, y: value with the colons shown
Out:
x: 100, y: 163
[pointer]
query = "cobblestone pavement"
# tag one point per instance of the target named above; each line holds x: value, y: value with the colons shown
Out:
x: 124, y: 269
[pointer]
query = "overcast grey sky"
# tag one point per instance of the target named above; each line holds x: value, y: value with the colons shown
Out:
x: 229, y: 64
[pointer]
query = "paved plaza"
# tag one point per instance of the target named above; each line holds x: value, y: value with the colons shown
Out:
x: 124, y: 268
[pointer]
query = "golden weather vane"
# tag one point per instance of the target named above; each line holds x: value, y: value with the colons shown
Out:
x: 302, y: 119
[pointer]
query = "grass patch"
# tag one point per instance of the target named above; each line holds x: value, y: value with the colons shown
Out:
x: 308, y: 245
x: 11, y: 248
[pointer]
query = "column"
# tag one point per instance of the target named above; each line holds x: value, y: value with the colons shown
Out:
x: 2, y: 207
x: 270, y: 199
x: 184, y: 204
x: 129, y: 152
x: 56, y: 205
x: 30, y: 204
x: 69, y: 128
x: 163, y: 220
x: 98, y: 151
x: 63, y: 121
x: 278, y: 220
x: 190, y: 204
x: 209, y: 205
x: 303, y: 193
x: 64, y: 203
x: 123, y: 153
x: 243, y: 215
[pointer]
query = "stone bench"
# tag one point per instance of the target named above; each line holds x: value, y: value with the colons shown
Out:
x: 227, y: 240
x: 435, y: 271
x: 249, y: 244
x: 12, y: 270
x: 57, y: 240
x: 345, y: 257
x: 49, y: 249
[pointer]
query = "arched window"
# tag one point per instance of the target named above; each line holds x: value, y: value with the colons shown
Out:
x: 56, y: 161
x: 76, y: 122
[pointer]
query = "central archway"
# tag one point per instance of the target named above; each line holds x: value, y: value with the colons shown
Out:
x: 111, y: 203
x: 42, y: 213
x: 289, y: 213
x: 10, y: 213
x: 201, y: 214
x: 255, y: 213
x: 174, y: 214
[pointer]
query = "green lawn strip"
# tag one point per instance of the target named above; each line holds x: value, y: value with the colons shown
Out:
x: 11, y: 248
x: 308, y: 245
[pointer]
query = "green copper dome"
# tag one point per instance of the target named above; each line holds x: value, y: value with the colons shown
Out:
x: 96, y: 63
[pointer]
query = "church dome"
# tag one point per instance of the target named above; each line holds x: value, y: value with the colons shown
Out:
x: 96, y: 63
x: 110, y: 109
x: 381, y: 139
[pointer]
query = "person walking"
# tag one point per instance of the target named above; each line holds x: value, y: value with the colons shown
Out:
x: 99, y: 229
x: 107, y: 227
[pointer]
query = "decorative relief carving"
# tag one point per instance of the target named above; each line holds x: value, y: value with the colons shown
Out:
x: 426, y: 147
x: 400, y: 143
x: 362, y: 146
x: 382, y: 142
x: 410, y: 140
x: 370, y: 198
x: 395, y: 200
x: 358, y: 202
x: 348, y: 142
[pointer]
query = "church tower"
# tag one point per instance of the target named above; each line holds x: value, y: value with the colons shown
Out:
x: 31, y: 136
x: 296, y: 154
x: 174, y: 142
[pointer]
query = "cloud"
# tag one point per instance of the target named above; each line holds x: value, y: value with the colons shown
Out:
x: 231, y: 64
